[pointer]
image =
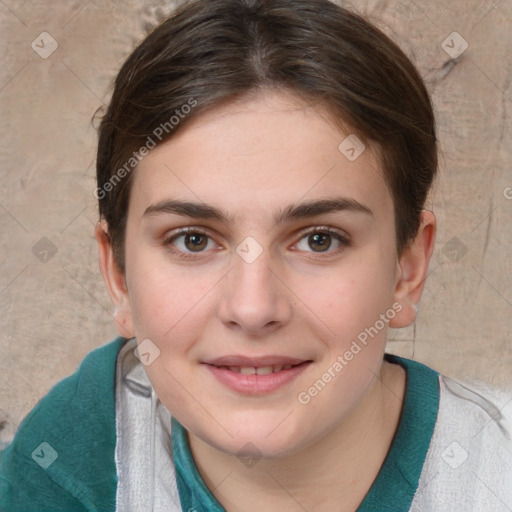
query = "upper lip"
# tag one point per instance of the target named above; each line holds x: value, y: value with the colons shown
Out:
x: 255, y: 362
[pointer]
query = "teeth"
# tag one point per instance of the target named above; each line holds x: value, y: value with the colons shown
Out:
x: 262, y: 370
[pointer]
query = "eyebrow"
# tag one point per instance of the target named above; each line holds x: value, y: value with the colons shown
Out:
x: 292, y: 212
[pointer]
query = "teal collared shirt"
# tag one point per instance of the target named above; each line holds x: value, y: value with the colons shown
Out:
x: 72, y: 429
x: 76, y: 422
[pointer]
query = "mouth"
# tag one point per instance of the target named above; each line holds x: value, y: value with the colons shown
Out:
x: 259, y: 370
x: 256, y: 376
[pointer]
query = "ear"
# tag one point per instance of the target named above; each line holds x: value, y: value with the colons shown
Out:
x: 115, y: 281
x: 412, y: 271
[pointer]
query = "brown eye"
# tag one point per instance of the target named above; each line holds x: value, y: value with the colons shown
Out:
x: 195, y: 242
x: 322, y: 240
x: 188, y: 242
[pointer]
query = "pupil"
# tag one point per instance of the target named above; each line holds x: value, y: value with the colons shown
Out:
x: 322, y: 239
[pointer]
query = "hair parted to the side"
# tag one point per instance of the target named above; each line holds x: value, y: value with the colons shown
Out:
x: 212, y: 51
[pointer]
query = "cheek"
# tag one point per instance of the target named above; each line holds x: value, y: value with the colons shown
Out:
x: 167, y: 310
x: 354, y: 334
x: 163, y: 297
x: 349, y: 299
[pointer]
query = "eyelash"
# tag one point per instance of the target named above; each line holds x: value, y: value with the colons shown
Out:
x: 344, y: 241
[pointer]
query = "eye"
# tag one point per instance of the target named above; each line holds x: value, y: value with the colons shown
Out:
x: 192, y: 242
x: 189, y: 241
x: 321, y: 240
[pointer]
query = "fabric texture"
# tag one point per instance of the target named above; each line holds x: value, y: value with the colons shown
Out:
x: 144, y: 452
x: 469, y: 462
x: 76, y: 423
x: 118, y: 448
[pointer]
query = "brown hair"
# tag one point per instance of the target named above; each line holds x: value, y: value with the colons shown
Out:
x: 212, y: 51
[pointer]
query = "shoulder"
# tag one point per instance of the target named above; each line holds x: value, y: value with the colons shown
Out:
x: 469, y: 461
x: 63, y: 444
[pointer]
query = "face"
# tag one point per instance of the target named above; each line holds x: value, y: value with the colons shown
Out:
x: 254, y: 245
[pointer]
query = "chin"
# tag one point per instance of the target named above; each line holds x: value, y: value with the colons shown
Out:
x: 259, y: 439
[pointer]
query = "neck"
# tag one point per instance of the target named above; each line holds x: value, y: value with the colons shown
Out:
x: 335, y: 473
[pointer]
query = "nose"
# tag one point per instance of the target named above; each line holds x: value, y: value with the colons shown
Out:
x: 255, y: 299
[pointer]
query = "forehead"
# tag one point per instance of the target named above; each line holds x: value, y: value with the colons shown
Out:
x: 257, y: 154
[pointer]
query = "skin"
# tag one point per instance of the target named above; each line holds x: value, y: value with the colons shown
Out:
x: 299, y: 298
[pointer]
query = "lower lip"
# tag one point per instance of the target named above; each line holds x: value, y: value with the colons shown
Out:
x: 256, y: 384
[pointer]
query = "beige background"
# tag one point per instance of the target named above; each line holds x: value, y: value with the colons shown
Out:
x: 54, y: 307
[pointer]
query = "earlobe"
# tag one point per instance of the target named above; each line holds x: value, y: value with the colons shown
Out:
x: 412, y: 271
x: 115, y: 282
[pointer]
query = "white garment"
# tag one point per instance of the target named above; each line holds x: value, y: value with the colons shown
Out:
x: 469, y: 462
x: 146, y: 475
x: 468, y: 466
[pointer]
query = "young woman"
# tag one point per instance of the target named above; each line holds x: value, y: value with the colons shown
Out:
x: 262, y: 172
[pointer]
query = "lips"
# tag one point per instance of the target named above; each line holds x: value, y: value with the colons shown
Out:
x: 256, y: 375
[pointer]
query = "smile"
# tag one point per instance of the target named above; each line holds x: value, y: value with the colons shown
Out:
x: 253, y: 379
x: 261, y: 370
